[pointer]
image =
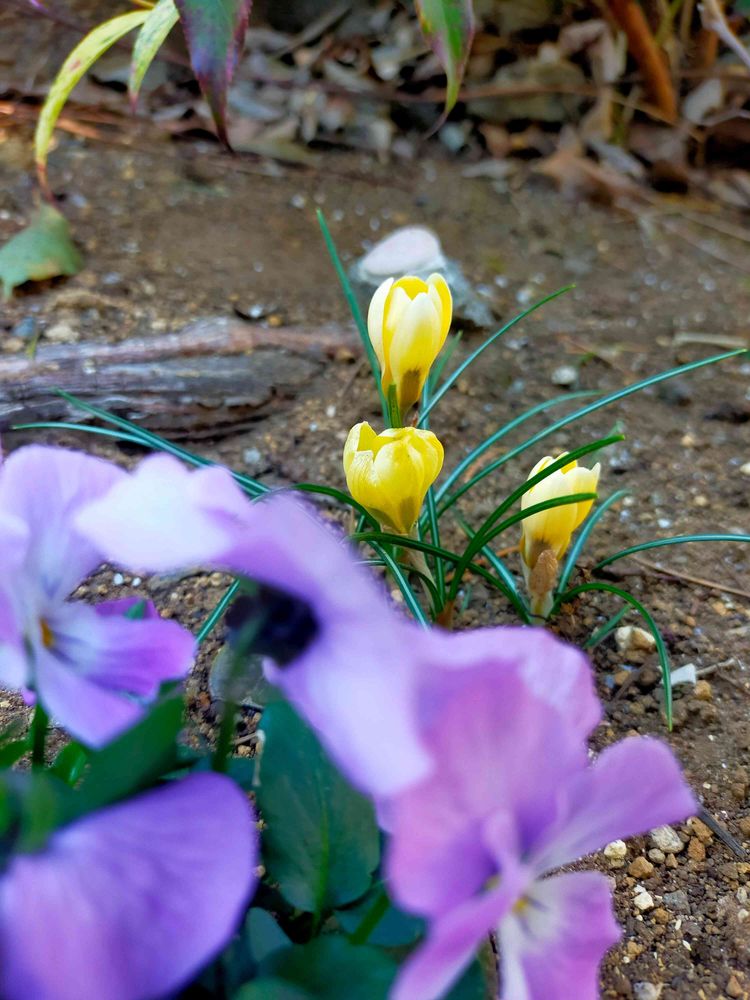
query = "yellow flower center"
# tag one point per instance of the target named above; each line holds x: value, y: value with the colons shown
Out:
x: 48, y: 639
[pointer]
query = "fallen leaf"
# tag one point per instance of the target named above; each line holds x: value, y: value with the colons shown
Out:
x: 43, y: 250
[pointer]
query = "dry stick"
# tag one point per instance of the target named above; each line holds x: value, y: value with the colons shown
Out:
x: 641, y: 42
x: 688, y: 578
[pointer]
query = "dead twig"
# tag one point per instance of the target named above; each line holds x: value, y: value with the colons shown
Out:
x: 641, y: 42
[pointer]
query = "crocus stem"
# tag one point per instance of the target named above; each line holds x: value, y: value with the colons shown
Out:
x: 39, y: 725
x: 394, y: 413
x: 371, y: 919
x: 224, y: 739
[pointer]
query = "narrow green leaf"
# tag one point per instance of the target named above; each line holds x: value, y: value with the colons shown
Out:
x: 320, y: 841
x: 211, y: 621
x: 83, y: 56
x: 12, y: 752
x: 612, y: 397
x: 609, y: 626
x: 410, y: 598
x: 351, y: 300
x: 501, y: 432
x: 659, y: 543
x: 483, y: 347
x: 70, y: 762
x: 160, y: 21
x: 42, y: 250
x: 215, y: 32
x: 583, y: 534
x: 448, y: 26
x: 650, y: 624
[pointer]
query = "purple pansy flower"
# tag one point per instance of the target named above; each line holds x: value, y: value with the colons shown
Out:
x: 514, y: 798
x: 130, y: 902
x: 354, y: 677
x: 90, y: 666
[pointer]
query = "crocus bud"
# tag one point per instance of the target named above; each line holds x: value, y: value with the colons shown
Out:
x: 390, y: 473
x: 408, y: 322
x: 546, y: 536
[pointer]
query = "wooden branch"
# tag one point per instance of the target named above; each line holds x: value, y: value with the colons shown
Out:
x: 213, y: 377
x: 641, y: 42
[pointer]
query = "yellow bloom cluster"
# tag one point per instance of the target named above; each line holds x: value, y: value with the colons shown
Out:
x: 389, y: 473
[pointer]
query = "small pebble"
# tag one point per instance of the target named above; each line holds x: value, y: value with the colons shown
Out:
x: 696, y: 850
x: 640, y: 868
x: 677, y: 901
x: 657, y: 856
x: 615, y: 853
x: 734, y: 987
x: 644, y: 901
x: 703, y: 691
x: 564, y: 376
x: 647, y: 991
x: 61, y: 333
x: 667, y: 840
x: 745, y: 469
x: 118, y: 579
x: 630, y: 637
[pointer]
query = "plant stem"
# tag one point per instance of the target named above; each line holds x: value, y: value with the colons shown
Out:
x: 39, y: 725
x: 394, y: 413
x: 224, y: 739
x: 371, y: 919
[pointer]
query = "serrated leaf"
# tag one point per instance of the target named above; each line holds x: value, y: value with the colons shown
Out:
x: 160, y: 21
x: 83, y: 56
x: 331, y: 968
x: 320, y: 841
x: 214, y: 31
x: 448, y: 26
x: 42, y: 250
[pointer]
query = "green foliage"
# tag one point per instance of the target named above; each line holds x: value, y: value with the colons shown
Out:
x: 83, y: 56
x: 42, y: 250
x: 320, y: 842
x: 215, y: 31
x: 331, y: 968
x: 160, y: 21
x: 448, y: 26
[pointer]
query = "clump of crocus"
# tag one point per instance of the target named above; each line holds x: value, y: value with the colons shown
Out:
x: 514, y: 796
x: 128, y: 902
x: 546, y: 536
x: 408, y: 322
x: 389, y: 473
x: 92, y: 666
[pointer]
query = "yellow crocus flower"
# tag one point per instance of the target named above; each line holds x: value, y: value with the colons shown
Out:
x: 408, y: 322
x: 546, y: 536
x: 390, y: 473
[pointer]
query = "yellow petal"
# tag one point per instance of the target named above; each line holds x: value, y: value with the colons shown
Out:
x: 414, y: 347
x: 360, y: 438
x: 376, y: 320
x: 438, y: 284
x: 411, y: 285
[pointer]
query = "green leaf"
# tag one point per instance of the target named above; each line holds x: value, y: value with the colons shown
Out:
x: 12, y: 752
x: 448, y: 26
x: 258, y: 938
x: 42, y: 250
x: 83, y: 56
x: 471, y: 986
x: 160, y: 21
x: 136, y: 759
x: 70, y: 763
x: 659, y: 543
x: 272, y: 988
x: 577, y: 547
x: 331, y: 968
x: 214, y: 31
x: 320, y: 841
x: 394, y: 928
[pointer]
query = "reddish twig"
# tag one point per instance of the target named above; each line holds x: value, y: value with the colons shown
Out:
x: 641, y: 42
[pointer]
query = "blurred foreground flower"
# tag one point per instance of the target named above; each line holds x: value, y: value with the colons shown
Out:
x: 408, y: 321
x: 515, y: 797
x: 546, y: 536
x: 92, y: 667
x: 389, y: 473
x: 350, y: 670
x: 130, y: 902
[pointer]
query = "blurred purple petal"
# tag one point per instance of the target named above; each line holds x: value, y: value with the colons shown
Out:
x: 45, y: 488
x: 129, y: 903
x: 175, y: 518
x: 553, y: 942
x: 499, y: 747
x: 633, y: 786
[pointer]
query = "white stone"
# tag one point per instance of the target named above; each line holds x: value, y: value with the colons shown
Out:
x: 616, y: 852
x: 61, y: 333
x: 745, y: 469
x: 564, y: 375
x: 667, y: 840
x: 647, y: 991
x: 644, y: 901
x: 409, y: 250
x: 631, y: 637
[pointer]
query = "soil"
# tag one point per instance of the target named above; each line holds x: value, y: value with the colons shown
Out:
x: 173, y: 232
